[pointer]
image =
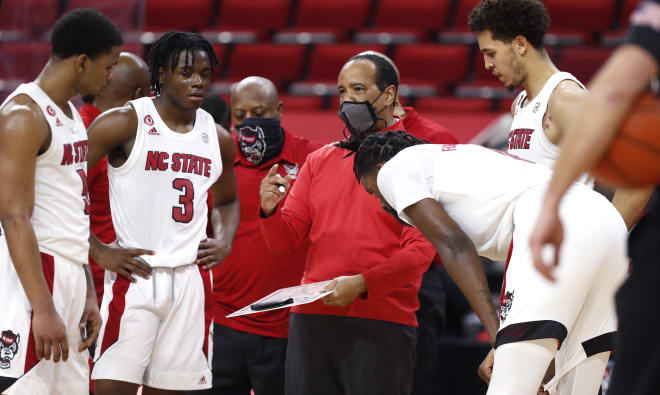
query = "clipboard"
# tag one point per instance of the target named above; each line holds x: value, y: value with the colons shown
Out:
x: 285, y: 297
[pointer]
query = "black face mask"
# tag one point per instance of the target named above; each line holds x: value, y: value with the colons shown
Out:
x: 260, y: 139
x: 359, y: 116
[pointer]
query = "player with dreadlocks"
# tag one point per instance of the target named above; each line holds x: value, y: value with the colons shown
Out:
x: 164, y: 155
x: 466, y: 210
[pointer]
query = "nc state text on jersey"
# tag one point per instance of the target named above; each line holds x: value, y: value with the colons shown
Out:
x: 74, y: 153
x: 180, y: 162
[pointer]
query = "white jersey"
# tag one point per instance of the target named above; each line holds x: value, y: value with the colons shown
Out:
x: 477, y: 186
x: 158, y: 196
x: 527, y: 138
x: 61, y: 201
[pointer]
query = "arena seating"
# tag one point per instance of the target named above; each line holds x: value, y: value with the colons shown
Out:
x: 302, y: 44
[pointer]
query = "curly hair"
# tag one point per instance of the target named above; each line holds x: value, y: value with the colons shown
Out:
x: 83, y: 31
x: 378, y: 148
x: 507, y: 19
x: 166, y: 50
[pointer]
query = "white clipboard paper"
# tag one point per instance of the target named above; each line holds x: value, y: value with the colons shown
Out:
x: 287, y: 297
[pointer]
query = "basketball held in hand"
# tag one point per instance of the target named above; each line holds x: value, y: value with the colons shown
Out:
x: 633, y: 159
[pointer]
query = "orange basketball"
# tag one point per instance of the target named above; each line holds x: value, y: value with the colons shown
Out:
x: 633, y: 159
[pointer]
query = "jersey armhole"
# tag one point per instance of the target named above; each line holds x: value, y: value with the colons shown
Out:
x: 547, y: 106
x: 48, y: 151
x: 137, y: 143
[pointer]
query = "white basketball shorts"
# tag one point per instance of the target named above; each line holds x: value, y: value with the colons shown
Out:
x: 157, y: 332
x: 20, y: 371
x: 578, y: 309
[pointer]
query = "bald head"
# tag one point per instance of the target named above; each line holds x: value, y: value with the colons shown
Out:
x: 255, y: 97
x: 131, y: 81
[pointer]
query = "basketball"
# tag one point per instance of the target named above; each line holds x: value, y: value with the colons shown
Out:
x: 633, y: 159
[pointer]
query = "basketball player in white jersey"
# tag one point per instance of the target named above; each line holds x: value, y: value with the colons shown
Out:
x: 164, y: 154
x: 510, y: 35
x: 467, y: 210
x: 45, y: 283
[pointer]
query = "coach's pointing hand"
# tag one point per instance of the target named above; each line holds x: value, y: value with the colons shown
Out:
x: 271, y: 192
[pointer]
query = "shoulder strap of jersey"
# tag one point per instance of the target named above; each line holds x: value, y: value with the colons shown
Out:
x: 544, y: 96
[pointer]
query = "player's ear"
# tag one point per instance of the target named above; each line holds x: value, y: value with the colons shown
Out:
x: 278, y: 110
x: 390, y: 95
x: 520, y: 44
x: 161, y: 75
x: 81, y: 63
x: 137, y: 93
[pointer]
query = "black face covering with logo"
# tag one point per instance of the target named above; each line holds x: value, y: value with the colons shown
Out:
x: 260, y: 139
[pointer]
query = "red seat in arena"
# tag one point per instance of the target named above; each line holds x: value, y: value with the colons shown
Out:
x: 253, y: 14
x: 185, y: 15
x: 585, y: 15
x: 124, y: 13
x: 279, y: 63
x: 134, y: 48
x: 452, y: 104
x: 23, y: 60
x: 463, y: 10
x: 31, y: 17
x: 328, y: 59
x: 583, y: 62
x: 301, y: 103
x: 627, y: 9
x: 413, y: 14
x: 345, y: 14
x: 435, y: 65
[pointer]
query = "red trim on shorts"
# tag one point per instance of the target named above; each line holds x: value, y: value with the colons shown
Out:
x: 208, y: 307
x: 48, y: 264
x: 115, y: 311
x: 506, y: 267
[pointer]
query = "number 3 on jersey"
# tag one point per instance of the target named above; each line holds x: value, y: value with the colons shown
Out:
x: 85, y: 189
x: 183, y: 214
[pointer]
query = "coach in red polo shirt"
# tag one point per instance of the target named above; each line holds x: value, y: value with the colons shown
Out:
x: 360, y: 339
x: 432, y: 312
x: 249, y: 351
x: 131, y: 81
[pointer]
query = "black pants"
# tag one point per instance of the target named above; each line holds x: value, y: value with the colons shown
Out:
x: 244, y: 361
x: 431, y: 316
x: 330, y: 355
x: 637, y: 353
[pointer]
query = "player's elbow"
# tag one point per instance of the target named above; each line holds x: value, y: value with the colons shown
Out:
x: 11, y: 220
x: 454, y: 245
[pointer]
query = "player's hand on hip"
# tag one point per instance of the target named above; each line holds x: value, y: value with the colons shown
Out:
x: 49, y: 335
x: 485, y: 370
x: 212, y: 252
x: 125, y: 261
x: 90, y: 323
x: 272, y: 190
x: 346, y: 290
x: 545, y: 241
